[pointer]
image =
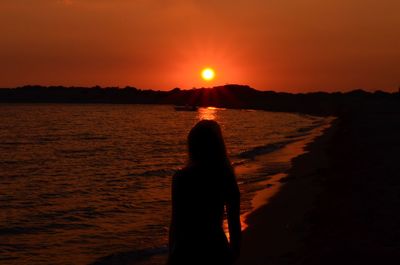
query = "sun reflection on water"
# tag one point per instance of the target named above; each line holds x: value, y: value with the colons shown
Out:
x: 209, y: 113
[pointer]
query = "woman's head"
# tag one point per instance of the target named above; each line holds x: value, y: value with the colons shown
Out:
x: 206, y: 144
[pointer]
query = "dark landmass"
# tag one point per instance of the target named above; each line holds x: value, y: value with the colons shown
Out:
x: 228, y: 96
x: 356, y: 218
x: 341, y: 200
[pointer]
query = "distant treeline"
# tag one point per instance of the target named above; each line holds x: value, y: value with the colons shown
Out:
x: 228, y: 96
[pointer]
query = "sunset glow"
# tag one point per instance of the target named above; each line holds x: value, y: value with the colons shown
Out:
x: 108, y: 43
x: 209, y: 113
x: 199, y: 131
x: 208, y: 74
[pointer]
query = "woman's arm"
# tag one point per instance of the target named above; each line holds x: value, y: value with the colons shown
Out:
x: 233, y: 214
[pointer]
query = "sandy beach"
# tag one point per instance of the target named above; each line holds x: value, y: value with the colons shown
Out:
x: 338, y: 203
x: 268, y: 235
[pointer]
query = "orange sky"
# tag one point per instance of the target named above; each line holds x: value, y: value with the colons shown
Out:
x: 295, y: 46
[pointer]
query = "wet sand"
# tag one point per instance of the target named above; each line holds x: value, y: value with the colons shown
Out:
x: 278, y: 209
x: 339, y: 203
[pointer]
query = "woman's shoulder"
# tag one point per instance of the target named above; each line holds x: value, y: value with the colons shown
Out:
x: 180, y: 172
x: 180, y: 177
x: 186, y: 172
x: 183, y: 171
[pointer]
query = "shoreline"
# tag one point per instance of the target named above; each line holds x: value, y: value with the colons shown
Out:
x: 278, y: 209
x: 340, y: 203
x: 270, y: 186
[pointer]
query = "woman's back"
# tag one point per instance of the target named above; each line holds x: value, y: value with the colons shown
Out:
x: 199, y: 197
x: 200, y: 193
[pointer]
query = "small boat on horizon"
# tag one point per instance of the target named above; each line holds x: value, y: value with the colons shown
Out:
x: 186, y: 108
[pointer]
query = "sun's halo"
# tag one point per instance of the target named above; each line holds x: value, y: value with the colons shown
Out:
x: 208, y: 74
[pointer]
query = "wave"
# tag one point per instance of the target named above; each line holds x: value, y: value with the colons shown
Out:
x: 308, y: 128
x: 264, y: 149
x: 79, y: 152
x: 12, y: 143
x: 154, y: 173
x: 304, y: 131
x: 239, y: 162
x: 131, y: 257
x: 41, y: 229
x: 90, y: 136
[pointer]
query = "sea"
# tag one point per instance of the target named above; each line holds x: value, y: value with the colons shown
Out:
x: 90, y: 183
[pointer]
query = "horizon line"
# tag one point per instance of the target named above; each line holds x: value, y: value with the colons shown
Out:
x: 194, y: 88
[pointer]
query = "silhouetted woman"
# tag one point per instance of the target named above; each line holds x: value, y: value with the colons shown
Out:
x: 200, y: 193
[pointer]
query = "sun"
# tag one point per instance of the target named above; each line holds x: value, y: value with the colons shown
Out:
x: 208, y: 74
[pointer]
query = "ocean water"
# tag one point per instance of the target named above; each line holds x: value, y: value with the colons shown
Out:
x: 89, y: 184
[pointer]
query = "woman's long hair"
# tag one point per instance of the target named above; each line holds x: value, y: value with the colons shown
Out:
x: 206, y: 146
